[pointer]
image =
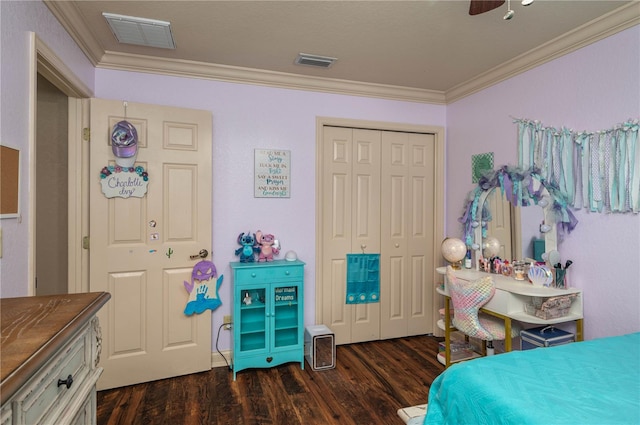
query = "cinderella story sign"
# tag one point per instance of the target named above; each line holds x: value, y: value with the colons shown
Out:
x: 272, y: 173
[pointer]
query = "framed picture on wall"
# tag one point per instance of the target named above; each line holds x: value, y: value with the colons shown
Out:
x: 9, y: 182
x: 272, y: 173
x: 481, y: 164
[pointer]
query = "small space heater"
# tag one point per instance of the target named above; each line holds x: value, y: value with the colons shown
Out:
x: 319, y: 347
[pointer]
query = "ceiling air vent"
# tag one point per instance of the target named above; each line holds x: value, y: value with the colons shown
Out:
x: 141, y: 31
x: 314, y: 60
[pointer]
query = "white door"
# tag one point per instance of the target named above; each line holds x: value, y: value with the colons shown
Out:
x: 351, y: 208
x: 141, y: 247
x: 408, y: 226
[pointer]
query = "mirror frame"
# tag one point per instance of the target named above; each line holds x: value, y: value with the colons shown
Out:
x: 517, y: 185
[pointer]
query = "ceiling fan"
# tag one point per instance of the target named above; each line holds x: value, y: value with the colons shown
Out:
x: 477, y: 7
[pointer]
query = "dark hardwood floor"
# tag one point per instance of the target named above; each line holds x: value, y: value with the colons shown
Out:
x: 370, y: 382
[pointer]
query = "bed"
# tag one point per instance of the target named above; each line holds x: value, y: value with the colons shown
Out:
x: 589, y: 382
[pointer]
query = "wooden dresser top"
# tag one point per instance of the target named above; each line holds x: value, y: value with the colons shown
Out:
x: 34, y: 328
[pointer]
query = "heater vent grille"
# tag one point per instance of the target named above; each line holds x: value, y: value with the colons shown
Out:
x: 314, y: 60
x: 141, y: 31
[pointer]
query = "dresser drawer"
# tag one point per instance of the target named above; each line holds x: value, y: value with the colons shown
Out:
x: 5, y: 414
x: 268, y: 274
x: 42, y: 400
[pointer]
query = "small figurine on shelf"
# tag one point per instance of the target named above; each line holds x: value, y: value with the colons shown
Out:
x: 247, y: 299
x: 268, y: 246
x: 248, y: 248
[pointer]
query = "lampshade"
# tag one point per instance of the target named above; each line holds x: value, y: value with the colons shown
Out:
x: 453, y: 250
x: 491, y: 247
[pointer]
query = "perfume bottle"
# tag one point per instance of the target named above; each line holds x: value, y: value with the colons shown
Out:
x: 467, y: 260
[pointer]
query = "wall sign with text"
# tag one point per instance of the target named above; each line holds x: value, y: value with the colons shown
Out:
x: 124, y: 182
x: 272, y: 173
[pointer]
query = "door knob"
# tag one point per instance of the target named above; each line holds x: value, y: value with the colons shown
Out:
x: 202, y: 254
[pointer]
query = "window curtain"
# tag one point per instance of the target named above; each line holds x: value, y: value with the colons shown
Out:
x: 598, y: 170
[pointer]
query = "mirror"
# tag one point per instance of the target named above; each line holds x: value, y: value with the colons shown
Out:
x: 521, y: 187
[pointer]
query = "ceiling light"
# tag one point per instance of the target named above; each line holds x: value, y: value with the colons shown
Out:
x: 314, y: 60
x: 509, y: 13
x: 141, y: 31
x: 526, y: 2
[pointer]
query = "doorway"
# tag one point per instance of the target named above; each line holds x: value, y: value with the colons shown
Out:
x: 48, y: 72
x: 51, y: 212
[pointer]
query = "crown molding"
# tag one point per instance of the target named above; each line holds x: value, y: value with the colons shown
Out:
x: 73, y: 22
x: 193, y: 69
x: 598, y: 29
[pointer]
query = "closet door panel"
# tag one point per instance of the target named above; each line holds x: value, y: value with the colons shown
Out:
x: 366, y: 223
x: 395, y: 186
x: 407, y: 226
x: 351, y: 173
x: 421, y: 233
x: 337, y: 163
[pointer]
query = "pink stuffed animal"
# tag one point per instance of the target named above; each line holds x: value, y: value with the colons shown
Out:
x: 268, y: 246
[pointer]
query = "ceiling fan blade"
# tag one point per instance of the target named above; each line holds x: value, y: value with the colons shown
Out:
x: 477, y: 7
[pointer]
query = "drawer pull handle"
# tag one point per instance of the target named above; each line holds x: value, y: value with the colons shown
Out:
x: 66, y: 382
x: 253, y: 275
x: 269, y: 359
x: 287, y: 272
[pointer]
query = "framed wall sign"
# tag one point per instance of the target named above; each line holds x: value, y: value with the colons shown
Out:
x: 480, y: 164
x: 9, y: 182
x: 272, y: 173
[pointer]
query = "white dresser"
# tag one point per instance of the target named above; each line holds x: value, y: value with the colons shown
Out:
x: 50, y: 348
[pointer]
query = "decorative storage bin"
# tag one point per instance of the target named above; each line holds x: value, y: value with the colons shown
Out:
x: 550, y: 308
x: 545, y: 336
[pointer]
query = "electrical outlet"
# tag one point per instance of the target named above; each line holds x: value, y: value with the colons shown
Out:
x: 227, y: 322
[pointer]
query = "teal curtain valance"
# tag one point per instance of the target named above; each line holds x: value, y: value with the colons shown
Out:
x: 596, y: 170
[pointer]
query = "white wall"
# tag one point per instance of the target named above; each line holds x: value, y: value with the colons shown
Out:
x: 591, y: 89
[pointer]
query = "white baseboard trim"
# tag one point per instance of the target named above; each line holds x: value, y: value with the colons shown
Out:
x: 218, y: 361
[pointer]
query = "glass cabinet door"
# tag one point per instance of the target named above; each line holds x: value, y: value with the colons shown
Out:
x: 286, y: 312
x: 253, y: 319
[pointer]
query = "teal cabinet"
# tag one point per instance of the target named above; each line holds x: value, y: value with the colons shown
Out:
x: 268, y: 314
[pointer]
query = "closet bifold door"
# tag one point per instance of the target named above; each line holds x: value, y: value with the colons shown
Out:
x: 408, y: 196
x: 351, y: 224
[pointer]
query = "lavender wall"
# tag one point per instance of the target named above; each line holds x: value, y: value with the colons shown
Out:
x: 247, y: 117
x: 17, y: 19
x: 591, y: 89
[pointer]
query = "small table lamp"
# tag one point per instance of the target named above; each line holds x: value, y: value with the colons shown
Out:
x: 454, y: 250
x: 491, y: 247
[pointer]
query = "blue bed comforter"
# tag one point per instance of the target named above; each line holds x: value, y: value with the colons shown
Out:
x: 590, y: 382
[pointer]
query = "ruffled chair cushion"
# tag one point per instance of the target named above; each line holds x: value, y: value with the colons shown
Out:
x: 468, y: 298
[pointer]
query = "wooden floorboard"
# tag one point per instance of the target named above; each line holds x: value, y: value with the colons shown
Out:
x: 370, y: 382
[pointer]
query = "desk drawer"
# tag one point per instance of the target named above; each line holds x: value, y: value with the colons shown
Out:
x: 268, y: 274
x: 42, y: 400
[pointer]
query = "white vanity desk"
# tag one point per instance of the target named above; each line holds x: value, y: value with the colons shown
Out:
x: 508, y: 304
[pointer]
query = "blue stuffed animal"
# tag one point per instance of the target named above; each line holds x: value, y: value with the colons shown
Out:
x: 248, y: 247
